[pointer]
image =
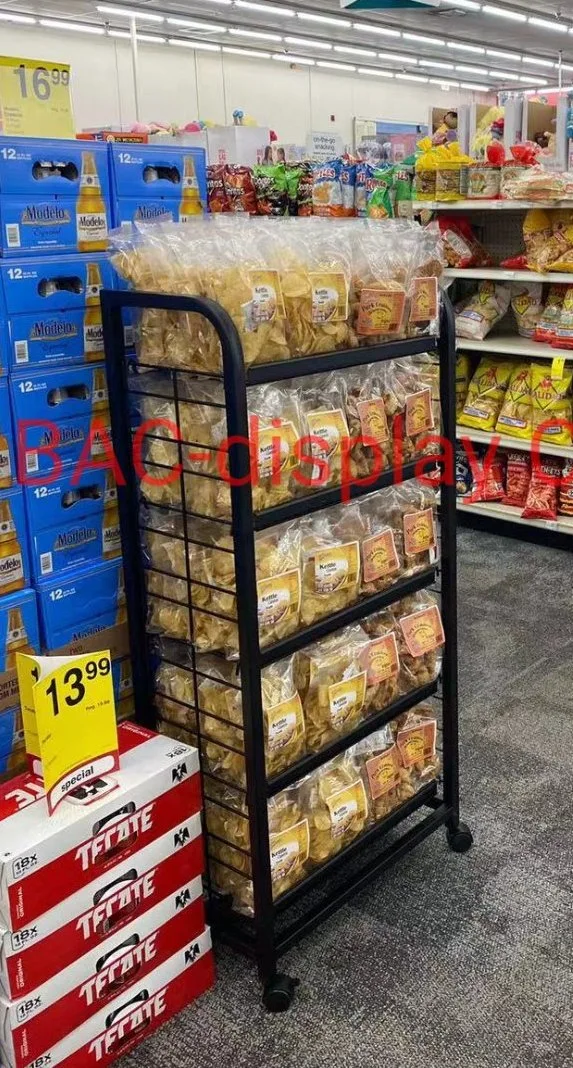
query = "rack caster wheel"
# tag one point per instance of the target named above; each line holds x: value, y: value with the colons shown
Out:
x: 460, y: 839
x: 279, y: 992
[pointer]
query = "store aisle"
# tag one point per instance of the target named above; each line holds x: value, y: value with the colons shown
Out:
x: 448, y: 959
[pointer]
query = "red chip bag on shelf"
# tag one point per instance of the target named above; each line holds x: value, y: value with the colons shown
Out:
x: 516, y: 263
x: 517, y: 479
x: 461, y: 247
x: 488, y: 481
x: 216, y: 195
x: 240, y: 190
x: 542, y: 495
x: 566, y: 490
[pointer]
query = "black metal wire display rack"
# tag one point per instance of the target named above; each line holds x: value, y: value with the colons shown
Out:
x: 276, y: 925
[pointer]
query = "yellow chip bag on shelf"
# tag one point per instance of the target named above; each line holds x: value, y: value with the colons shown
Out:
x: 515, y: 417
x: 463, y: 375
x: 486, y: 393
x: 551, y: 401
x: 537, y: 233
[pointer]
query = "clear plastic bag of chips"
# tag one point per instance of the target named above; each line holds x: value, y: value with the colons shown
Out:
x: 330, y: 561
x: 331, y: 678
x: 382, y: 543
x: 416, y: 738
x: 416, y: 503
x: 365, y: 409
x: 325, y: 430
x: 420, y: 635
x: 334, y: 801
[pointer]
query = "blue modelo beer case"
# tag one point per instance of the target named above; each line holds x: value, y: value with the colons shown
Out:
x: 68, y: 439
x: 81, y: 603
x: 25, y: 602
x: 41, y: 166
x: 13, y: 531
x: 144, y: 210
x: 7, y: 456
x: 59, y: 393
x: 154, y: 171
x: 55, y: 337
x: 47, y: 225
x: 11, y: 738
x: 72, y: 523
x: 55, y: 284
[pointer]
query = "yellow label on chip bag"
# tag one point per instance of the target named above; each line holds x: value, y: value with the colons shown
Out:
x: 289, y: 849
x: 285, y: 723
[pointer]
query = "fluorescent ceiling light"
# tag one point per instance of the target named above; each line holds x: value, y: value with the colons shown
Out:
x: 505, y: 75
x: 476, y: 88
x: 284, y: 57
x: 395, y: 57
x: 77, y: 27
x: 129, y: 13
x: 256, y: 33
x: 424, y: 40
x: 533, y: 78
x: 412, y: 78
x: 435, y: 63
x: 466, y: 48
x: 535, y: 62
x: 126, y: 36
x: 503, y: 13
x: 202, y: 46
x: 334, y: 66
x: 188, y: 24
x: 504, y: 55
x: 375, y: 29
x: 246, y: 52
x: 222, y: 3
x: 566, y: 66
x: 266, y: 9
x: 326, y: 19
x: 24, y: 20
x: 354, y: 51
x: 548, y: 24
x: 467, y: 5
x: 307, y: 42
x: 376, y: 73
x: 446, y: 82
x: 469, y: 70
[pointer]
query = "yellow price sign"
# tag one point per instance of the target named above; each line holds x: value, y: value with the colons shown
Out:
x: 70, y: 718
x: 35, y: 98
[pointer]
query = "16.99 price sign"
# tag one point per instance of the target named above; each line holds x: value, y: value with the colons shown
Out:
x: 35, y: 98
x: 70, y: 724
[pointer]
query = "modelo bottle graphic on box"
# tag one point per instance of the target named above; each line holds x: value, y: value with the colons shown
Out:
x: 17, y: 640
x: 13, y: 545
x: 91, y: 214
x: 93, y: 326
x: 191, y: 200
x: 7, y: 464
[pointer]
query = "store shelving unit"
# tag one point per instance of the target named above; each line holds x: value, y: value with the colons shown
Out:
x: 277, y: 925
x: 502, y: 236
x: 506, y: 441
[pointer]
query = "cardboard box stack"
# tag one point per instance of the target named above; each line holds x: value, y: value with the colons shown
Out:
x: 102, y: 926
x: 55, y: 217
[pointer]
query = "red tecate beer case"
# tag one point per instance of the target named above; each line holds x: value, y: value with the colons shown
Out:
x: 33, y: 954
x: 46, y: 858
x: 29, y: 1025
x: 136, y: 1013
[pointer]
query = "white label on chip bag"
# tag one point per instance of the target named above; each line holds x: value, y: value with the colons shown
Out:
x: 276, y: 445
x: 336, y: 568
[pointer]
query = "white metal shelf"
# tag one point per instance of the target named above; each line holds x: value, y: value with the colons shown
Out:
x: 488, y: 205
x: 505, y: 441
x: 513, y: 345
x: 494, y: 510
x: 501, y: 274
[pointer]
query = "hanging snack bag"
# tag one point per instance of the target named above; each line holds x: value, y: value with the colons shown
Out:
x: 515, y: 417
x: 546, y: 327
x: 275, y: 431
x: 517, y: 479
x: 486, y: 393
x: 527, y: 305
x: 537, y: 234
x: 566, y: 490
x: 483, y: 311
x: 327, y: 196
x: 551, y: 401
x: 420, y: 636
x: 270, y: 182
x: 336, y: 805
x: 416, y: 504
x: 543, y: 492
x: 331, y: 678
x: 239, y: 189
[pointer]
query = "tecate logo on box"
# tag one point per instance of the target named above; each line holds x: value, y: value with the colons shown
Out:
x: 45, y: 860
x: 55, y: 284
x: 136, y: 1013
x: 29, y: 1025
x: 32, y: 955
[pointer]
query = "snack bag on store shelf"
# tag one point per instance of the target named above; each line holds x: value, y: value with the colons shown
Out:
x: 538, y: 184
x: 239, y: 189
x: 484, y: 181
x: 483, y: 311
x: 463, y: 376
x: 566, y: 490
x: 379, y: 204
x: 562, y: 335
x: 557, y: 255
x: 463, y: 472
x: 364, y: 403
x: 330, y: 561
x: 217, y: 198
x: 327, y: 198
x: 461, y: 247
x: 386, y: 781
x: 381, y: 660
x: 415, y: 504
x: 331, y: 679
x: 515, y: 417
x: 527, y: 305
x: 420, y: 636
x: 537, y: 234
x: 543, y: 491
x: 348, y: 187
x: 324, y: 424
x: 517, y: 479
x: 271, y: 189
x: 370, y: 179
x: 549, y: 318
x: 403, y: 188
x: 488, y: 484
x: 451, y: 163
x: 335, y: 803
x: 304, y: 190
x: 486, y: 393
x: 425, y: 169
x: 551, y: 401
x: 416, y: 736
x: 382, y: 547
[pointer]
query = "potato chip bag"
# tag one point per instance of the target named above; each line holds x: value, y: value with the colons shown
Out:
x: 551, y: 401
x: 527, y: 305
x: 327, y: 196
x: 566, y: 490
x: 335, y: 803
x: 515, y: 417
x: 517, y: 479
x: 463, y: 375
x: 543, y: 491
x: 331, y: 678
x: 483, y: 311
x: 537, y: 234
x: 562, y: 336
x: 486, y: 393
x: 271, y: 188
x: 549, y: 318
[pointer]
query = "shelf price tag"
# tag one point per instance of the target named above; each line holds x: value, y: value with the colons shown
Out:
x: 70, y: 726
x: 35, y: 98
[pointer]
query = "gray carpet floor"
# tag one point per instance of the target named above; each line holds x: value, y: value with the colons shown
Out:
x: 446, y: 961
